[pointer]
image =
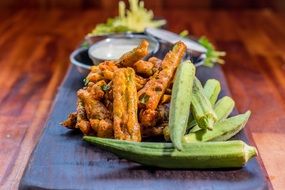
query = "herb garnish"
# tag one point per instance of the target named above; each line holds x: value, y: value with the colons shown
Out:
x: 106, y: 87
x: 212, y: 56
x: 86, y: 81
x: 144, y: 98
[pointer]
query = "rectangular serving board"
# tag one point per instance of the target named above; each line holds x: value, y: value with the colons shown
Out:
x: 61, y: 160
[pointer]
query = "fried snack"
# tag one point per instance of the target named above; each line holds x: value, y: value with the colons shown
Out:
x: 95, y: 75
x: 96, y: 90
x: 108, y: 103
x: 148, y: 117
x: 153, y: 131
x: 144, y: 68
x: 108, y: 68
x: 151, y: 94
x: 168, y: 91
x: 140, y: 82
x: 70, y: 122
x: 99, y: 116
x: 165, y: 99
x: 126, y: 126
x: 108, y: 96
x: 103, y: 127
x: 103, y: 71
x: 129, y: 58
x: 156, y: 63
x: 112, y: 90
x: 154, y: 117
x: 82, y: 122
x: 163, y: 113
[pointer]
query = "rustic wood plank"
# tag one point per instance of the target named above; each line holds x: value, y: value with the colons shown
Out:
x: 273, y: 142
x: 34, y: 72
x: 157, y: 4
x: 34, y: 42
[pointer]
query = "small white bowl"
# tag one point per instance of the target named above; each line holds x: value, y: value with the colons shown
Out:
x: 114, y: 47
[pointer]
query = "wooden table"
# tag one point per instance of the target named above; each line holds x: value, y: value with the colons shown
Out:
x: 34, y: 50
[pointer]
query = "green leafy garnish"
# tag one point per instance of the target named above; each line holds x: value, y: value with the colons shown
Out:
x: 106, y: 87
x: 134, y: 19
x: 86, y: 81
x: 184, y: 33
x: 144, y: 98
x: 85, y: 44
x: 212, y: 56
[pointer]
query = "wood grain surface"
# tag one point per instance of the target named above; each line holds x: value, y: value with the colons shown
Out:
x: 111, y: 5
x: 34, y: 50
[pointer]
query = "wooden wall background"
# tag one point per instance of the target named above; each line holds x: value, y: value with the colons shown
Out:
x: 154, y: 4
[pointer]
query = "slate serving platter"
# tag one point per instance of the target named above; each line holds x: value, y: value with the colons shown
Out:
x: 61, y: 160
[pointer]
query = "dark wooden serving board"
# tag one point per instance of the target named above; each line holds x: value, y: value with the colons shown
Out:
x: 61, y: 160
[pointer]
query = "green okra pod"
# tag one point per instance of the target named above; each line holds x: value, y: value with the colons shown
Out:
x: 222, y: 131
x: 200, y: 155
x: 180, y: 102
x: 223, y: 109
x: 212, y: 89
x: 201, y: 107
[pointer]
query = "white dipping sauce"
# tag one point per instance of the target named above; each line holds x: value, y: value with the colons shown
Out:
x: 114, y: 48
x: 111, y: 52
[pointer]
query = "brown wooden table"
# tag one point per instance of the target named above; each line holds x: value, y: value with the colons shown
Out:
x: 34, y: 51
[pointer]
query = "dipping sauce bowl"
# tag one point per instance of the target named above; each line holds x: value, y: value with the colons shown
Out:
x: 113, y: 47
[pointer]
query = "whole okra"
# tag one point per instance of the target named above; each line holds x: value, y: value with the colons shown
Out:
x: 201, y: 107
x: 212, y: 89
x: 222, y: 131
x: 180, y: 102
x: 201, y: 155
x: 223, y: 109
